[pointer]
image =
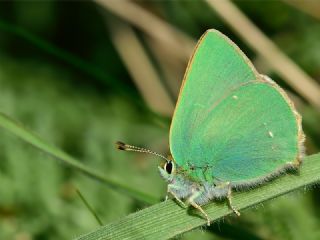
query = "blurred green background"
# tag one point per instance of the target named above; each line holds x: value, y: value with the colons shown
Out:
x: 75, y: 73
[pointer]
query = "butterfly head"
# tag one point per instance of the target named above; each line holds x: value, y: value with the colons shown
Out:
x: 167, y: 169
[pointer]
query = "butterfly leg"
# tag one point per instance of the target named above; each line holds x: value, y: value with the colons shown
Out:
x: 169, y: 191
x: 230, y: 202
x: 195, y: 205
x: 223, y: 190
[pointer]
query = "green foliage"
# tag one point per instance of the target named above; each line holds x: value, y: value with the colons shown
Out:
x: 38, y: 195
x: 61, y: 76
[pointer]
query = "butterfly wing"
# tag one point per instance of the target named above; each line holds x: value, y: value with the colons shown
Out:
x: 230, y: 123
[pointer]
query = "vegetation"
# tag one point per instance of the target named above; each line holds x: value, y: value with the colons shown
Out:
x: 77, y: 76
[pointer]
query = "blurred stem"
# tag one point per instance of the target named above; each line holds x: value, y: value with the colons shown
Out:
x: 180, y: 44
x: 31, y: 138
x: 140, y: 67
x: 89, y: 207
x: 171, y: 70
x: 254, y: 37
x: 169, y: 45
x: 310, y: 7
x: 63, y: 55
x: 167, y: 219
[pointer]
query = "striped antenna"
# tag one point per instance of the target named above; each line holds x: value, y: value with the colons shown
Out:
x: 126, y: 147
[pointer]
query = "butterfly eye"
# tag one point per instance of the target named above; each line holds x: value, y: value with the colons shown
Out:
x: 168, y: 167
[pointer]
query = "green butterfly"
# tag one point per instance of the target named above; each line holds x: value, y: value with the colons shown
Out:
x: 232, y: 128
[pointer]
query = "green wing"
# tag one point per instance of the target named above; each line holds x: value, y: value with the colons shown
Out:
x: 229, y: 122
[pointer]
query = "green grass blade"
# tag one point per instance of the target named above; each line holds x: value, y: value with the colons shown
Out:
x: 89, y: 207
x: 167, y: 219
x: 30, y: 137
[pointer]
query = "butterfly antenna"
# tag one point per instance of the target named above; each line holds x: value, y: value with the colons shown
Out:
x: 127, y: 147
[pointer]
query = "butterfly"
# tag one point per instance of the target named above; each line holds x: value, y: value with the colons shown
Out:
x: 232, y: 128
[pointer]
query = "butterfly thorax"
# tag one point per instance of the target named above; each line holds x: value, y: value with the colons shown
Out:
x: 183, y: 186
x: 198, y: 174
x: 190, y: 175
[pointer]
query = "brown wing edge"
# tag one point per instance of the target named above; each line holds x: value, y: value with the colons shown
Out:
x: 295, y: 164
x: 301, y: 135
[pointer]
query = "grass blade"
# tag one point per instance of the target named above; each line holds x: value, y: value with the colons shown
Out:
x: 89, y: 207
x: 30, y: 137
x: 167, y: 219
